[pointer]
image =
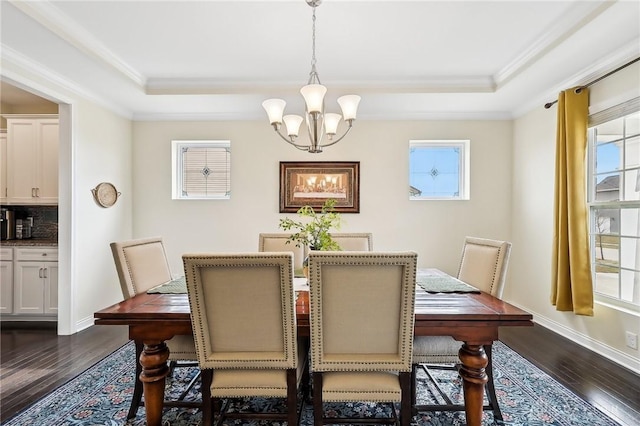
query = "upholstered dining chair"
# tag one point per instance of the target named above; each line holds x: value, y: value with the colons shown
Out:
x: 483, y: 265
x: 361, y: 318
x: 277, y: 242
x: 244, y: 325
x: 141, y: 265
x: 354, y: 241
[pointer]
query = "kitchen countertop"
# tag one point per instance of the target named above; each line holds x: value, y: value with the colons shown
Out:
x: 35, y: 242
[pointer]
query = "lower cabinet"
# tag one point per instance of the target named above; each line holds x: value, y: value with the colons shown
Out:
x: 6, y: 280
x: 35, y: 281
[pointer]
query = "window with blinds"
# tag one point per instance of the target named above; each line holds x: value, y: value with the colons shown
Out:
x: 614, y: 204
x: 201, y: 170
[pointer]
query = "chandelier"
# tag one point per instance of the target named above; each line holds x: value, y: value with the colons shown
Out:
x: 318, y: 122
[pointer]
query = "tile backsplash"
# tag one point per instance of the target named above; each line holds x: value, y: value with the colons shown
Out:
x: 45, y: 220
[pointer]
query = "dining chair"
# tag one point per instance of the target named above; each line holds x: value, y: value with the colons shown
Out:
x: 353, y: 241
x: 244, y: 325
x: 142, y: 264
x: 483, y: 265
x: 278, y: 242
x: 361, y: 308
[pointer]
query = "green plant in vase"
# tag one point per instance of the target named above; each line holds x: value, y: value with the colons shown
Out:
x: 314, y: 230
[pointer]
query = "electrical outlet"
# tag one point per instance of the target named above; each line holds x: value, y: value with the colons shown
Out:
x: 632, y: 339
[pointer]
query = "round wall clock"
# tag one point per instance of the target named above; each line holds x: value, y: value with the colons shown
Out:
x: 105, y: 194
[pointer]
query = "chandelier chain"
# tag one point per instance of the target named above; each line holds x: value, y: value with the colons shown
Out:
x: 313, y: 75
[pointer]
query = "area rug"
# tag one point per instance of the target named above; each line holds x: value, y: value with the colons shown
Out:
x: 101, y: 396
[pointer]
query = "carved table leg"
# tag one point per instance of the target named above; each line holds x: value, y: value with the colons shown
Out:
x: 154, y: 370
x: 474, y: 360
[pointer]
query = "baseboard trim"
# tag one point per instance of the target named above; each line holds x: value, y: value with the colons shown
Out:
x: 587, y: 342
x: 84, y: 323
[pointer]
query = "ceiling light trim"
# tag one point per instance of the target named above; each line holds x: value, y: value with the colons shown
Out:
x: 50, y: 17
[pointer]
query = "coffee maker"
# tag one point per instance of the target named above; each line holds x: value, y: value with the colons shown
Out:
x: 7, y: 224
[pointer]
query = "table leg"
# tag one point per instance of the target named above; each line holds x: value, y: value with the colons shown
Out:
x: 474, y: 360
x: 154, y: 370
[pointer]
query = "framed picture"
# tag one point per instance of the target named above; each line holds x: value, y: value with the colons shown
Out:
x: 314, y: 182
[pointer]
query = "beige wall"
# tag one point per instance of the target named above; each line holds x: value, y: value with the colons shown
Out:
x: 102, y: 153
x: 434, y: 229
x: 532, y: 230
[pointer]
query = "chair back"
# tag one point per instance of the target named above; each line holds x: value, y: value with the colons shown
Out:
x: 141, y: 264
x: 277, y: 242
x: 361, y: 310
x: 484, y: 264
x: 354, y: 241
x: 242, y: 309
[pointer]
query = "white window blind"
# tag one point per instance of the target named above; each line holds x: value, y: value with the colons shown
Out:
x: 202, y: 169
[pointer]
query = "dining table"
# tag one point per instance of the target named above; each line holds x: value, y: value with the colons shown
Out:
x: 464, y: 313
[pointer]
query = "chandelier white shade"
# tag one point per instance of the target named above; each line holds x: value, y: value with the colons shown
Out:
x: 318, y: 122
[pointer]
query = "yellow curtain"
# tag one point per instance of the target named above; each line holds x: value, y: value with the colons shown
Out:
x: 572, y: 288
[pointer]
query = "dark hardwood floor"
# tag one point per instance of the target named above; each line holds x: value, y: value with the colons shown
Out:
x: 611, y: 388
x: 34, y: 361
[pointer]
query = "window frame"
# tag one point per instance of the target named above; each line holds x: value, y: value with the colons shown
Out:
x: 464, y: 167
x: 595, y: 120
x: 177, y: 167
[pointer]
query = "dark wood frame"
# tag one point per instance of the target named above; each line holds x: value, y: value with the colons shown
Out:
x: 347, y: 174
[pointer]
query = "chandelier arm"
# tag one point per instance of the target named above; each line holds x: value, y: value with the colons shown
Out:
x: 340, y: 138
x: 287, y: 140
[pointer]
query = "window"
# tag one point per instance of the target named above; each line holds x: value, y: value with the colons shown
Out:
x: 614, y: 204
x: 201, y: 170
x: 439, y: 170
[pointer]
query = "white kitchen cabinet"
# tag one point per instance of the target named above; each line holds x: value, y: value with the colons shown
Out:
x: 3, y: 166
x: 35, y: 283
x: 6, y: 280
x: 32, y: 159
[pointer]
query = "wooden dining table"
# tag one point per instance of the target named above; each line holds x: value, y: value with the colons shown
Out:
x: 473, y: 319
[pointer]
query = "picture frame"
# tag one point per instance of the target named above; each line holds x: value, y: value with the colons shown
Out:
x: 314, y: 182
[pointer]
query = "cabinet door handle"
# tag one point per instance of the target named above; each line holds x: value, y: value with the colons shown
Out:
x: 44, y: 275
x: 33, y: 192
x: 37, y: 192
x: 40, y: 273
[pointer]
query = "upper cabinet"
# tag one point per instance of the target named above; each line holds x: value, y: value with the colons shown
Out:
x: 32, y: 159
x: 3, y: 166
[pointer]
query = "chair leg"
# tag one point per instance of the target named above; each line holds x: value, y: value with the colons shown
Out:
x: 318, y: 411
x: 491, y: 389
x: 407, y: 396
x: 137, y: 386
x: 292, y: 397
x: 207, y: 402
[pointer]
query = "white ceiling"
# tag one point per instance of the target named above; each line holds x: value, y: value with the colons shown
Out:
x: 407, y: 59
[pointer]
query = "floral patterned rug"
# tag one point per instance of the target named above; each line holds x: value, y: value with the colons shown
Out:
x: 101, y: 396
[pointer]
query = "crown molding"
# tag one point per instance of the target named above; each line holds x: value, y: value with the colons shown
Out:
x: 50, y: 17
x: 204, y: 86
x: 618, y: 58
x: 13, y: 59
x: 404, y: 116
x: 579, y: 15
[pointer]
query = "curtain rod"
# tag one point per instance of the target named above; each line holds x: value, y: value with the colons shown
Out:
x: 578, y: 90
